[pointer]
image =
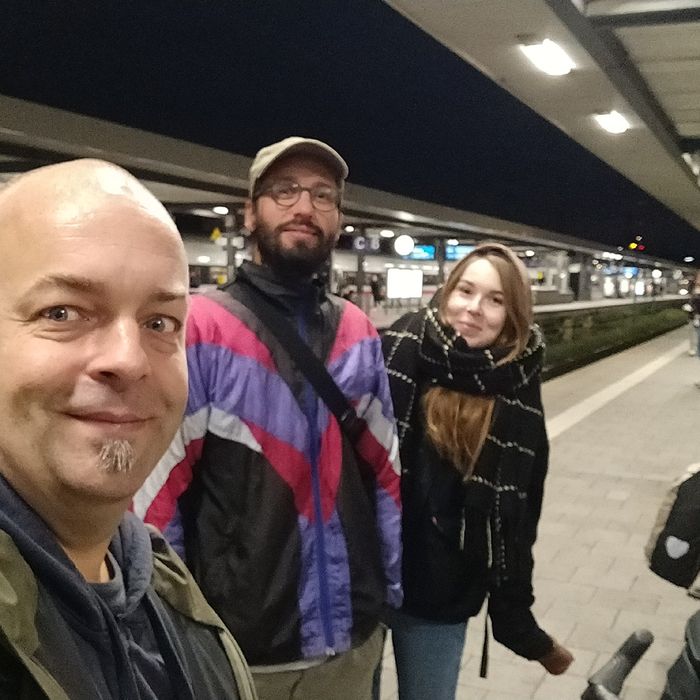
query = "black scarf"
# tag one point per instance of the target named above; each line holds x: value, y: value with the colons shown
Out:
x: 421, y: 352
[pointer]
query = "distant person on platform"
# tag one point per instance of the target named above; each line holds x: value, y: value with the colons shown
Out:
x: 93, y: 298
x: 349, y: 293
x: 465, y: 380
x: 690, y: 308
x: 375, y: 286
x: 695, y: 317
x: 290, y: 525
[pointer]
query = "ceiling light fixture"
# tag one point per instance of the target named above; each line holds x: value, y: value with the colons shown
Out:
x: 613, y: 122
x: 386, y: 233
x: 222, y: 211
x: 688, y: 258
x: 548, y: 57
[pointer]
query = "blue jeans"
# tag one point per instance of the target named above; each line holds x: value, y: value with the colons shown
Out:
x: 428, y: 655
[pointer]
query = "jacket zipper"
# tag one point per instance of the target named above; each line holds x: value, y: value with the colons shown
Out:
x: 311, y: 406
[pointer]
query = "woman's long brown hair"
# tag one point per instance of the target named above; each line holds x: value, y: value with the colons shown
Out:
x: 458, y: 423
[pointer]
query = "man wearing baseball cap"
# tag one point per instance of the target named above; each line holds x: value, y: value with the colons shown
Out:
x: 288, y: 518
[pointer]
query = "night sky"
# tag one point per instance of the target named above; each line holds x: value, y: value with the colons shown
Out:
x: 408, y: 115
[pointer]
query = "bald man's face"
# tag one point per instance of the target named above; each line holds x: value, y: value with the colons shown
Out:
x: 92, y: 311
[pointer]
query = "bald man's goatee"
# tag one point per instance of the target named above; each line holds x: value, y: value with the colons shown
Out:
x: 116, y: 457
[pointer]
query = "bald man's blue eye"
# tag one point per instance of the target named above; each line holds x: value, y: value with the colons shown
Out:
x: 163, y: 324
x: 60, y: 314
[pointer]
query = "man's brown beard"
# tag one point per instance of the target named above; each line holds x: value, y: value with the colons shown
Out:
x: 296, y: 262
x: 116, y: 457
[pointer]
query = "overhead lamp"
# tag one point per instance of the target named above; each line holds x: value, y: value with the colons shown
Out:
x: 529, y: 253
x: 222, y: 211
x: 688, y: 258
x: 657, y: 274
x: 349, y: 229
x: 387, y: 233
x: 612, y: 121
x: 404, y: 244
x: 693, y: 162
x: 203, y: 259
x: 452, y: 241
x: 548, y: 57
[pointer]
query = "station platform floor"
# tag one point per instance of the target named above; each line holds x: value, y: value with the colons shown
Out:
x: 621, y: 430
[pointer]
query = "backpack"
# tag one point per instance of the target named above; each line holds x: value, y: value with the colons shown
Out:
x: 673, y: 549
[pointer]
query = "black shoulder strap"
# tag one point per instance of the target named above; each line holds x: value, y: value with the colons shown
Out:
x: 303, y: 357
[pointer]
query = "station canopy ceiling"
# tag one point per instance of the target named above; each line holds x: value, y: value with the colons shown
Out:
x: 640, y: 58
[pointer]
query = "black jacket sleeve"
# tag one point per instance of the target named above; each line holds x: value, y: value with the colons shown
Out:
x: 11, y: 674
x: 513, y: 623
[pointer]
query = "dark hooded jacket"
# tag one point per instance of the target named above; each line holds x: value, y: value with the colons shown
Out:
x: 60, y: 637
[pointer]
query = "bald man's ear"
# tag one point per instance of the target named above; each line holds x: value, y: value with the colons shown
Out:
x: 250, y: 220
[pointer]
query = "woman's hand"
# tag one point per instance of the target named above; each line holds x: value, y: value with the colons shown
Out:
x: 557, y: 660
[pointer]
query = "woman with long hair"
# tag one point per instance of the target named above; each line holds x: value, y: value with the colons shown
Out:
x: 465, y: 380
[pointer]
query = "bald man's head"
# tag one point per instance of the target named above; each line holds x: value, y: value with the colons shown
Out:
x: 68, y: 196
x: 66, y: 192
x: 93, y: 302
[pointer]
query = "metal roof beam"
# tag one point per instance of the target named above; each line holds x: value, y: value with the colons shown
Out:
x: 607, y: 50
x: 20, y: 165
x: 633, y: 7
x: 32, y: 156
x: 645, y: 19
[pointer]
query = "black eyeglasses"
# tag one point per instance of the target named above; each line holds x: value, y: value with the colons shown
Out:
x: 287, y: 192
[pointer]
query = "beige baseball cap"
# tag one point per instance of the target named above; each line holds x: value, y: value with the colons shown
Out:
x: 266, y: 156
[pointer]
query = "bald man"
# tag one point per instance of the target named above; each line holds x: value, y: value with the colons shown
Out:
x: 93, y: 300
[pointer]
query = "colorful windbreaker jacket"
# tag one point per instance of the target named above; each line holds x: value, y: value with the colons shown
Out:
x: 292, y: 533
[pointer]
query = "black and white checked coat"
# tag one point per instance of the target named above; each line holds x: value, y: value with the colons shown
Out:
x: 464, y: 541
